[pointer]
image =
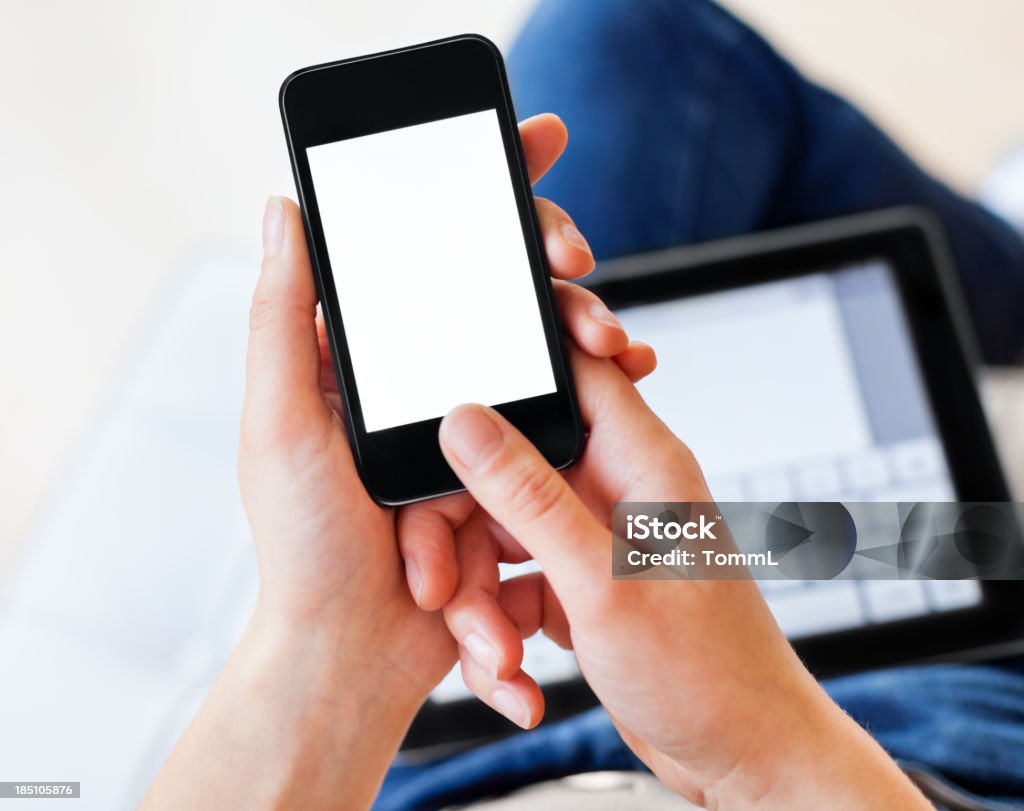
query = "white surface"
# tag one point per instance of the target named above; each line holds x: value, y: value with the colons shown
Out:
x: 137, y: 584
x: 433, y: 280
x: 73, y: 711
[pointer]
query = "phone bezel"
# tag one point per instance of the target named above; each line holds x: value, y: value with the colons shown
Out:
x: 385, y: 91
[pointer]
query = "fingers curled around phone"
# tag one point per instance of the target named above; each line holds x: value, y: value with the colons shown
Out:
x: 595, y: 329
x: 637, y: 360
x: 426, y: 541
x: 587, y: 320
x: 568, y: 252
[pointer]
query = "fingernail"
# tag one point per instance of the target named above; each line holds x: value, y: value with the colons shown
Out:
x: 603, y: 315
x: 273, y: 226
x: 483, y: 652
x: 508, y: 704
x: 412, y: 573
x: 471, y: 435
x: 572, y: 235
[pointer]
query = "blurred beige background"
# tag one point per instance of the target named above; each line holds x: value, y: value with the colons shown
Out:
x: 136, y: 133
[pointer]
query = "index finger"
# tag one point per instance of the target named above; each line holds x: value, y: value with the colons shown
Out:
x: 515, y: 484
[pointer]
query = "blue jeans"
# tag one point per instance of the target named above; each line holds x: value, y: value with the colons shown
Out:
x: 963, y: 723
x: 685, y: 126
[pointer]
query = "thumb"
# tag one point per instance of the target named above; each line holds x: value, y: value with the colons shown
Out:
x: 511, y: 480
x: 283, y: 364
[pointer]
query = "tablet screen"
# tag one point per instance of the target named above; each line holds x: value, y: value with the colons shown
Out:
x: 809, y: 390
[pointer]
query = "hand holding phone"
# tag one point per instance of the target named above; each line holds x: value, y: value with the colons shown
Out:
x: 428, y: 258
x: 314, y: 525
x: 334, y: 616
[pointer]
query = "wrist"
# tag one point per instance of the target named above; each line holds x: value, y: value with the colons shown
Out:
x: 333, y: 720
x: 334, y: 669
x: 819, y: 757
x: 362, y: 653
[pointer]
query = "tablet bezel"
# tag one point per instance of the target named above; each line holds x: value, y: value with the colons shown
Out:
x: 911, y: 241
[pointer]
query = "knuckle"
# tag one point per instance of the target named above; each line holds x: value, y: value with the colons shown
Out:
x: 273, y: 313
x: 585, y: 299
x: 292, y: 438
x: 535, y: 492
x: 550, y: 214
x: 686, y: 455
x: 262, y: 312
x: 423, y: 531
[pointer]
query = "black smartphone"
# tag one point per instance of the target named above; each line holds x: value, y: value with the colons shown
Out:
x: 428, y: 258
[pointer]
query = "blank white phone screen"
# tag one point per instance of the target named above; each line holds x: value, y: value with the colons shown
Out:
x: 433, y: 280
